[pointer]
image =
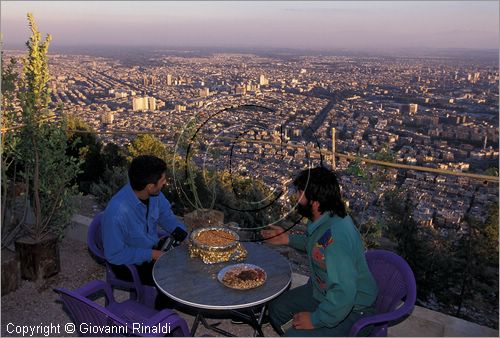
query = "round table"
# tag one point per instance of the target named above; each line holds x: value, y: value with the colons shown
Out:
x: 191, y: 282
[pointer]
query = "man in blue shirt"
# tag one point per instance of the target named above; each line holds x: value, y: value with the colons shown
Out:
x: 132, y: 216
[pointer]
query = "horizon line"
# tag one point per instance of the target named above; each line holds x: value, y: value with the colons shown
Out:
x: 13, y: 46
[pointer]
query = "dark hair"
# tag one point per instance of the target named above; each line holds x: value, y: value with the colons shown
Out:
x: 321, y: 184
x: 145, y: 169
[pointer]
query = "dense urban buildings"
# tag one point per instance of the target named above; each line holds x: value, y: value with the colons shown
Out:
x: 428, y: 111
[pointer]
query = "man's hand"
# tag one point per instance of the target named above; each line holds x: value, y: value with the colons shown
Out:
x: 302, y: 321
x: 156, y: 254
x: 275, y: 235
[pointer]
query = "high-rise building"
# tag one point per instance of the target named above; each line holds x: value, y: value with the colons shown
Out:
x: 140, y: 104
x: 169, y: 79
x: 151, y: 103
x: 410, y: 108
x: 204, y: 92
x: 107, y: 117
x: 474, y: 77
x: 145, y: 80
x: 180, y: 107
x: 263, y: 81
x: 240, y: 90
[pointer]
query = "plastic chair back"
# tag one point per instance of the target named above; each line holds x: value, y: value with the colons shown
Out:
x: 145, y: 294
x: 119, y: 317
x: 397, y: 291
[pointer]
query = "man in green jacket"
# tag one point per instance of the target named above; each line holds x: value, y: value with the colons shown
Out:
x: 341, y: 288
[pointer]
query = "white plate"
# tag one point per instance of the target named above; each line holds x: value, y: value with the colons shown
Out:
x: 223, y: 271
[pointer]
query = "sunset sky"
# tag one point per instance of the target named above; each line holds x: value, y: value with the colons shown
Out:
x: 305, y: 25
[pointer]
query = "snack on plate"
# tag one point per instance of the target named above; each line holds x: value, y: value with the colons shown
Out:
x: 215, y: 238
x: 243, y: 276
x: 216, y: 245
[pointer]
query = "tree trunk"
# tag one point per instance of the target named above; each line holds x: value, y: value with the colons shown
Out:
x: 39, y: 259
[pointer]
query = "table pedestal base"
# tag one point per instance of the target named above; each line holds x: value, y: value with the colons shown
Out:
x: 248, y: 316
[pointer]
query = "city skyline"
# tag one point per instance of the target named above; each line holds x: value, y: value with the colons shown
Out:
x: 297, y: 25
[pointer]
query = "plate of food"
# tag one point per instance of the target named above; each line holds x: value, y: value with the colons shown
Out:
x: 242, y: 276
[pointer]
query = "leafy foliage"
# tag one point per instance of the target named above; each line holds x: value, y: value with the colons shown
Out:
x: 112, y: 156
x: 146, y: 144
x: 240, y: 198
x: 355, y: 168
x: 456, y: 268
x: 426, y: 251
x: 9, y: 137
x: 385, y: 154
x: 47, y: 170
x: 477, y: 253
x: 112, y: 180
x: 84, y: 145
x: 245, y: 200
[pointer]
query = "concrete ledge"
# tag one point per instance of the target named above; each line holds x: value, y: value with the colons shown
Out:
x: 421, y: 323
x: 78, y: 228
x: 426, y: 323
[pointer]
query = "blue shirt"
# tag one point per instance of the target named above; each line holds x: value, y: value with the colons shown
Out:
x: 128, y: 237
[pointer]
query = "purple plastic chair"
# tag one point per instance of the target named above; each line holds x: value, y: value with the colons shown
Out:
x: 128, y: 318
x: 397, y: 292
x: 144, y: 294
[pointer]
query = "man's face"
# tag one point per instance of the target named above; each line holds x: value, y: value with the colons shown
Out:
x: 304, y: 207
x: 154, y: 189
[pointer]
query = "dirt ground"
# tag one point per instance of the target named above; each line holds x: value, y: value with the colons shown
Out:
x: 35, y: 303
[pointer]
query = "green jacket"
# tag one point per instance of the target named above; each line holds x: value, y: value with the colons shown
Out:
x: 340, y: 276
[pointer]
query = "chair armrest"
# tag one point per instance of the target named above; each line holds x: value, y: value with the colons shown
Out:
x: 94, y: 287
x: 138, y: 286
x: 379, y: 319
x: 135, y: 276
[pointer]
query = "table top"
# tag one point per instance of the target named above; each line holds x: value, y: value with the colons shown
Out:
x: 192, y: 282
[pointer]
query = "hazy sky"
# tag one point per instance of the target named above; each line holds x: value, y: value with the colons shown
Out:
x: 318, y: 25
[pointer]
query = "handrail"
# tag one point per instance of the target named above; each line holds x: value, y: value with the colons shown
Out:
x: 337, y: 154
x: 301, y: 146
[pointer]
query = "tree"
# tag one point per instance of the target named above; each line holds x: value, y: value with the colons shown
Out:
x: 48, y: 171
x: 491, y: 171
x: 478, y: 254
x: 114, y: 175
x: 113, y: 156
x: 428, y: 254
x: 246, y: 201
x: 147, y: 144
x: 9, y: 137
x: 385, y: 154
x: 355, y: 168
x: 112, y: 180
x: 84, y: 145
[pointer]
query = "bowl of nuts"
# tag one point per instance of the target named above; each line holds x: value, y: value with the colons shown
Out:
x: 216, y: 245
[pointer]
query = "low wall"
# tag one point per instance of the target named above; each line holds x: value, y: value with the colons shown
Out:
x: 421, y: 323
